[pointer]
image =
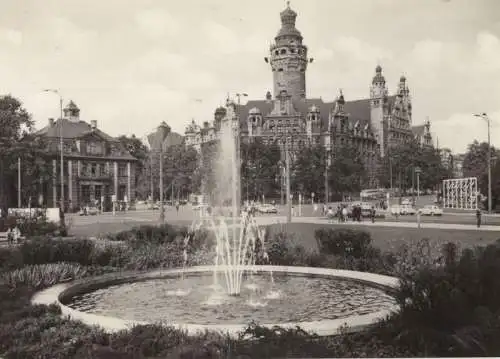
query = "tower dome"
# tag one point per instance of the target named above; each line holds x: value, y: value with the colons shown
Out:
x: 254, y: 111
x: 288, y: 16
x: 402, y: 78
x: 378, y: 78
x: 71, y: 111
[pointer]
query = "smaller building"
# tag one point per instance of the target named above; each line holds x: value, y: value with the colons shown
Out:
x: 458, y: 164
x: 96, y: 167
x: 423, y: 134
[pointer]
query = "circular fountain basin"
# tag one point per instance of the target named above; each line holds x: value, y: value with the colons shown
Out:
x: 320, y: 300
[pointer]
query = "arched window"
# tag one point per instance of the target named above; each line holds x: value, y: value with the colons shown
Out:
x: 283, y: 51
x: 280, y: 70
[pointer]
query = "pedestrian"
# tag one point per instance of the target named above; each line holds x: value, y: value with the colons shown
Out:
x: 344, y: 214
x: 177, y: 207
x: 478, y: 217
x: 372, y: 214
x: 10, y: 236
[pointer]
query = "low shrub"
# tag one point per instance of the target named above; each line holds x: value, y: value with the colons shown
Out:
x: 33, y: 227
x: 451, y: 309
x: 165, y: 233
x: 343, y: 242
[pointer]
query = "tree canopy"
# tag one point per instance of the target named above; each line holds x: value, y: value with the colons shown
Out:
x: 259, y: 169
x: 18, y: 140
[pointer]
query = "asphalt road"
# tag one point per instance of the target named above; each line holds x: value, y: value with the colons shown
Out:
x: 99, y: 225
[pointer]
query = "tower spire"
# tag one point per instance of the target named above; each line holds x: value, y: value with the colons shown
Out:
x: 288, y: 58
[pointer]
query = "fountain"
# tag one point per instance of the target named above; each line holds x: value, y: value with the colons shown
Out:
x: 317, y: 299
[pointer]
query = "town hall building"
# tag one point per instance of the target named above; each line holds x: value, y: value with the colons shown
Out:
x: 373, y: 124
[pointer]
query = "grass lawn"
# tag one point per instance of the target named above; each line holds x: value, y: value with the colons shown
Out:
x: 390, y: 238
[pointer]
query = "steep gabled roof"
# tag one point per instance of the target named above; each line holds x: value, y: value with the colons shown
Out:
x: 418, y: 130
x: 358, y: 110
x: 72, y: 130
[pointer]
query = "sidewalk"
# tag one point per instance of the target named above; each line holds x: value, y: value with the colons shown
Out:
x: 378, y: 223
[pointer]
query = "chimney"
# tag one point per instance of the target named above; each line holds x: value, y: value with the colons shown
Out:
x: 206, y: 124
x: 51, y: 122
x: 93, y: 124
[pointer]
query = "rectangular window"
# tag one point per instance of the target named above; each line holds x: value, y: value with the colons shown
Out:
x: 122, y: 170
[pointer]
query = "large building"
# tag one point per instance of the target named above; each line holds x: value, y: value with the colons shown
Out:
x: 373, y: 124
x: 95, y: 165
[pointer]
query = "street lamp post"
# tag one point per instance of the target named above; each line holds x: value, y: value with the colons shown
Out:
x: 163, y: 132
x: 485, y: 117
x: 417, y: 172
x: 61, y: 143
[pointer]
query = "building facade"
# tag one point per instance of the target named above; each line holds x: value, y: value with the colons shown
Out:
x: 373, y: 125
x: 96, y: 167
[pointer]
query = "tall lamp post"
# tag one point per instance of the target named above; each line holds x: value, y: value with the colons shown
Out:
x: 61, y: 143
x: 163, y: 130
x: 485, y: 117
x: 417, y: 172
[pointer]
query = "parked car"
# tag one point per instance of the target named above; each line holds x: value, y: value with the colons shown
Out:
x: 155, y: 205
x: 200, y: 206
x: 88, y: 211
x: 406, y: 202
x: 266, y: 208
x: 402, y: 210
x: 407, y: 210
x: 431, y: 210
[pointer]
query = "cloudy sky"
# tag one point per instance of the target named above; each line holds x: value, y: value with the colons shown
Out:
x: 129, y: 64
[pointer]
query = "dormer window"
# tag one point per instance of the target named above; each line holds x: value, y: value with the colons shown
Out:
x: 94, y: 148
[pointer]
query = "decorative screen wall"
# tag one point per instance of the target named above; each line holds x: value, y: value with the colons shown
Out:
x: 460, y: 193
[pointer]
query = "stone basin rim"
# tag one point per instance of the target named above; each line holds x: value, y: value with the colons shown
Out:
x: 58, y: 293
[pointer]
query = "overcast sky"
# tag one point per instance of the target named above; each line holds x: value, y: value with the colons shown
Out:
x: 130, y: 64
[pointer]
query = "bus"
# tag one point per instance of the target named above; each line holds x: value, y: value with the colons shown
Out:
x: 373, y: 194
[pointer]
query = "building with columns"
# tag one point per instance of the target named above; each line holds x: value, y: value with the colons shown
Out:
x: 95, y: 165
x: 373, y: 124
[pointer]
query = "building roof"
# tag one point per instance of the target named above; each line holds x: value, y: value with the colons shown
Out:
x: 72, y: 129
x: 80, y: 129
x: 418, y: 130
x: 358, y: 110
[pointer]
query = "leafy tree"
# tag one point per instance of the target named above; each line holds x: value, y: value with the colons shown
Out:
x: 476, y: 165
x: 179, y: 168
x: 18, y: 140
x: 143, y: 166
x: 347, y: 173
x: 309, y: 171
x: 259, y: 169
x: 403, y: 159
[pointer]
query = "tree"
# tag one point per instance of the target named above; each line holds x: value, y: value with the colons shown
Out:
x: 143, y: 165
x: 18, y: 140
x: 347, y: 173
x: 179, y: 168
x: 259, y: 169
x: 309, y: 171
x: 476, y: 163
x: 402, y: 160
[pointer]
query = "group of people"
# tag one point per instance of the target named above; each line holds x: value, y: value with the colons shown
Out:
x: 13, y: 234
x: 343, y: 213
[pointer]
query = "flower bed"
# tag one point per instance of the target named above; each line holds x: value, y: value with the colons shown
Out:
x: 450, y: 301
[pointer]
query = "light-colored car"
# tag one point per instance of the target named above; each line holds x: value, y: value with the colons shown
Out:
x: 88, y: 211
x: 407, y: 210
x: 200, y: 206
x: 406, y: 202
x: 402, y: 210
x: 267, y: 208
x: 431, y: 210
